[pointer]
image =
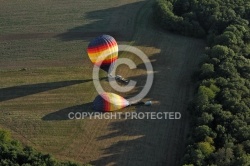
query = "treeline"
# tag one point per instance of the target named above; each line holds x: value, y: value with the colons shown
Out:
x: 221, y: 109
x: 12, y: 153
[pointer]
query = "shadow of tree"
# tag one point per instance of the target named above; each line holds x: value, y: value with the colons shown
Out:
x: 25, y: 90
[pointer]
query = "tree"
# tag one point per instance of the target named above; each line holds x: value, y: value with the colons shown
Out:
x: 197, y: 157
x: 203, y: 90
x: 206, y: 148
x: 201, y: 132
x: 227, y: 69
x: 12, y: 153
x: 205, y: 118
x: 243, y: 160
x: 207, y: 70
x: 224, y: 156
x: 228, y: 39
x: 221, y: 52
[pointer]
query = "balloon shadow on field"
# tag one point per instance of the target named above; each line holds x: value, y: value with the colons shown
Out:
x: 25, y: 90
x: 106, y: 22
x: 64, y: 114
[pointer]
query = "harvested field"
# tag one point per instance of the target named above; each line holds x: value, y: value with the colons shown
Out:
x: 57, y: 79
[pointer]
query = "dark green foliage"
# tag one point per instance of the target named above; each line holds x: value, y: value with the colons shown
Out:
x: 206, y: 148
x: 205, y: 119
x: 221, y: 108
x: 12, y: 153
x: 201, y: 132
x: 207, y: 70
x: 170, y: 21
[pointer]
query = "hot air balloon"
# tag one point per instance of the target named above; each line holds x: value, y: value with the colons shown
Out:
x: 103, y: 52
x: 109, y: 102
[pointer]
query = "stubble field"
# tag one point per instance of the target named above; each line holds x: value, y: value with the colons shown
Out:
x: 45, y: 74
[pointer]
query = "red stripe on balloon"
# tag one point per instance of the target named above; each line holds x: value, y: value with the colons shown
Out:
x: 102, y: 47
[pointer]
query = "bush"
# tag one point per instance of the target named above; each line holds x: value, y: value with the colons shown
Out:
x: 12, y: 153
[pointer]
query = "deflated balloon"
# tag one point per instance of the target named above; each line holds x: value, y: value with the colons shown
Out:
x: 109, y: 102
x: 103, y: 52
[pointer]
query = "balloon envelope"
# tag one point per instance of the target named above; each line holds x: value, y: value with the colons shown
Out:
x: 103, y: 51
x: 109, y: 102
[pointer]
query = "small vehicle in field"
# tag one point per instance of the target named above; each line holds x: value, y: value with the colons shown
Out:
x: 121, y: 79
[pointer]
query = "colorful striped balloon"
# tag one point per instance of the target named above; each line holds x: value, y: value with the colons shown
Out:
x: 103, y: 51
x: 108, y: 102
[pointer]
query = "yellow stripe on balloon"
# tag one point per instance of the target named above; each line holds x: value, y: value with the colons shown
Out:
x: 108, y: 58
x: 107, y: 51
